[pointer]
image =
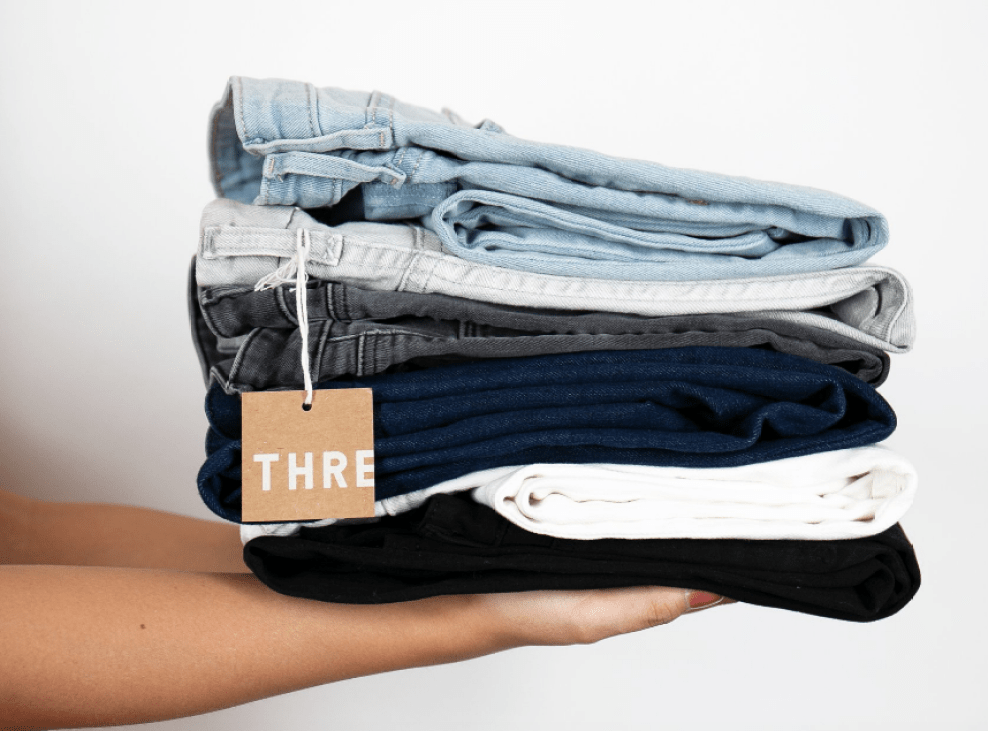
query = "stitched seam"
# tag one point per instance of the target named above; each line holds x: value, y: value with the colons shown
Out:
x: 265, y: 191
x: 209, y: 320
x: 825, y: 281
x: 428, y: 278
x: 408, y: 270
x: 898, y: 313
x: 418, y: 194
x: 215, y: 148
x: 372, y: 350
x: 310, y: 96
x: 334, y: 249
x: 360, y: 354
x: 838, y: 327
x: 226, y: 385
x: 381, y: 352
x: 328, y: 302
x: 413, y: 263
x: 208, y: 248
x: 341, y: 305
x: 280, y: 300
x: 417, y: 163
x: 631, y: 298
x: 325, y: 331
x: 388, y: 333
x: 391, y: 116
x: 284, y: 251
x: 371, y: 114
x: 241, y: 356
x: 240, y: 87
x: 401, y: 157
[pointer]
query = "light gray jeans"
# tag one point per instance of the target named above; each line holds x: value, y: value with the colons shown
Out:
x: 240, y: 244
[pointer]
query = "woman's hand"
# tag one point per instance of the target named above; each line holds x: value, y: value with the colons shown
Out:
x: 582, y: 617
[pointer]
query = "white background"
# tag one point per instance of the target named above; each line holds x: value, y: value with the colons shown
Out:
x: 103, y: 110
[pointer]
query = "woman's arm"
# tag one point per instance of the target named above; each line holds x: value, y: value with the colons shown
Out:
x: 93, y: 534
x: 87, y: 646
x: 171, y: 631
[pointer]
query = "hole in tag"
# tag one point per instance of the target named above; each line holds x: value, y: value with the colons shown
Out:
x: 306, y: 407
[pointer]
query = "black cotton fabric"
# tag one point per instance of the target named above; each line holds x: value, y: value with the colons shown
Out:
x: 452, y: 545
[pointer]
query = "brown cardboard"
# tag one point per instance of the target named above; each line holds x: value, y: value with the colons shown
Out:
x: 276, y: 428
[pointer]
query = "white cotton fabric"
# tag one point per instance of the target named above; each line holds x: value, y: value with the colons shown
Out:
x: 848, y: 493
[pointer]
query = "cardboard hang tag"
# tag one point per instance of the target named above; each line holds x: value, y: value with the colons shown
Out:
x: 307, y: 465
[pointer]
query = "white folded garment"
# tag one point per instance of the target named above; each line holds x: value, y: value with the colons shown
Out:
x: 848, y: 493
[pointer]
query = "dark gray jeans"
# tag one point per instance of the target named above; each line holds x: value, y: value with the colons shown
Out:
x: 249, y: 340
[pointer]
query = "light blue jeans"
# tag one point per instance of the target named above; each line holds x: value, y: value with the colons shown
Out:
x: 496, y: 199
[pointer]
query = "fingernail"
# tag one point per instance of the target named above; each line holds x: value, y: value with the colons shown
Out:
x: 702, y: 600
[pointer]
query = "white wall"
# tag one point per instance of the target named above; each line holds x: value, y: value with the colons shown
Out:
x: 103, y: 109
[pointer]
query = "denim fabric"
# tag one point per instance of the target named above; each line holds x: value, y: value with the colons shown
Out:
x: 268, y: 358
x: 688, y: 407
x: 454, y: 546
x: 203, y: 339
x: 362, y: 332
x: 496, y: 199
x: 240, y: 244
x: 848, y: 493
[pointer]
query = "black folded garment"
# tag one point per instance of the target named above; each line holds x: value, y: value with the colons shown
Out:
x: 452, y: 545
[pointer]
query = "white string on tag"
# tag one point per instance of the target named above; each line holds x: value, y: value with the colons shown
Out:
x: 302, y: 246
x: 293, y: 270
x: 285, y: 274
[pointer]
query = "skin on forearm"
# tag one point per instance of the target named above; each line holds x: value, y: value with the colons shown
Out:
x: 87, y: 645
x: 92, y: 534
x: 91, y: 646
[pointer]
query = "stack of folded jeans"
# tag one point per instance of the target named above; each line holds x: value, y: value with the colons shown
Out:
x: 586, y: 371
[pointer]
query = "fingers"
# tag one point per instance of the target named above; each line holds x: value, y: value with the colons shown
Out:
x: 585, y: 617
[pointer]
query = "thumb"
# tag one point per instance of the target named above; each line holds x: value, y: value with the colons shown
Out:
x: 661, y: 605
x: 582, y: 617
x: 608, y: 612
x: 697, y: 600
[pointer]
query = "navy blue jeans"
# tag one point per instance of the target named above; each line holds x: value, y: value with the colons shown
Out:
x: 691, y: 407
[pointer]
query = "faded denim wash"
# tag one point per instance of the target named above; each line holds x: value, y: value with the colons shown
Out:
x: 496, y: 199
x: 240, y: 244
x: 268, y: 357
x: 258, y: 345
